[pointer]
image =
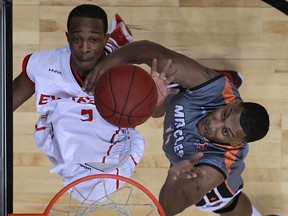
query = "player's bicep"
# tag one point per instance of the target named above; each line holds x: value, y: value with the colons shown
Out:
x: 23, y: 89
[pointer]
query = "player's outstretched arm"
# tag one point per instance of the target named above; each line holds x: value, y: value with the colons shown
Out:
x: 23, y: 89
x: 186, y: 185
x: 191, y: 73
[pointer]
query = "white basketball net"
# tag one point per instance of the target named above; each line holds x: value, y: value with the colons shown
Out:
x: 128, y: 200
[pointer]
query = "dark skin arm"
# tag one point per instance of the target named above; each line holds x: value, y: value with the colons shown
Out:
x: 190, y: 74
x: 186, y: 185
x: 23, y: 89
x: 182, y: 188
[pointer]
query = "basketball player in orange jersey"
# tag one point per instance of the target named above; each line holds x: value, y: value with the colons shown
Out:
x: 206, y: 130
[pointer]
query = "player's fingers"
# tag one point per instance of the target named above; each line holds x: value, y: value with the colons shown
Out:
x: 194, y: 172
x: 154, y: 68
x: 91, y: 80
x: 171, y: 77
x: 187, y: 175
x: 200, y: 171
x: 87, y: 83
x: 165, y: 69
x: 173, y: 91
x: 191, y: 175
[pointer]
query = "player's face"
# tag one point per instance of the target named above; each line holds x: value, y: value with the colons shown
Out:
x: 223, y: 125
x: 87, y: 40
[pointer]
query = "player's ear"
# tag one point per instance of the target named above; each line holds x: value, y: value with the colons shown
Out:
x: 67, y: 36
x: 106, y: 38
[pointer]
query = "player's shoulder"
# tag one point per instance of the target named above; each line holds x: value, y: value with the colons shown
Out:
x: 38, y: 60
x: 52, y: 54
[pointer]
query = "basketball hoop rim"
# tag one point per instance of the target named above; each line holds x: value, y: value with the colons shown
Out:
x: 95, y: 176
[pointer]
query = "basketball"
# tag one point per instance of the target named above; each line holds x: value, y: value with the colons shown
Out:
x: 126, y: 96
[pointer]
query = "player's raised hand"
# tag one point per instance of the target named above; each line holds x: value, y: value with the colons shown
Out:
x: 91, y: 79
x: 185, y: 169
x: 162, y: 80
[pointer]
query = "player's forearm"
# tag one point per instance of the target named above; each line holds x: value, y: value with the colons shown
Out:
x: 178, y: 194
x: 171, y: 197
x: 139, y: 52
x: 190, y: 72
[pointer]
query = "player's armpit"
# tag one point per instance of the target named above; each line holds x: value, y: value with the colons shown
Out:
x: 180, y: 193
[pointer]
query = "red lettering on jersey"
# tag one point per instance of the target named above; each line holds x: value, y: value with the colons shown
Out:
x: 91, y: 101
x: 82, y: 100
x: 85, y: 100
x: 44, y: 99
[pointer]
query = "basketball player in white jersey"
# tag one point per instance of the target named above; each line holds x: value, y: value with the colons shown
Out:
x: 79, y: 142
x: 59, y: 73
x: 56, y: 77
x: 70, y: 131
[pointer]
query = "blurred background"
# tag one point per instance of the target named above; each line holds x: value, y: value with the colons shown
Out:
x: 248, y: 36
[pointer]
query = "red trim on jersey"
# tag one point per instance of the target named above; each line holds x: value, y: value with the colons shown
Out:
x: 133, y: 160
x: 111, y: 146
x: 76, y: 75
x: 39, y: 128
x: 108, y: 153
x: 24, y: 67
x: 117, y: 180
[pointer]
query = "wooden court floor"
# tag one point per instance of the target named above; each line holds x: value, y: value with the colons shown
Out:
x: 244, y: 35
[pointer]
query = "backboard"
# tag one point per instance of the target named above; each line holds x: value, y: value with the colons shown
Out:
x: 6, y: 118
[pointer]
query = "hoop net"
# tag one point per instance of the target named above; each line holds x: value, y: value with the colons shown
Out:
x: 130, y: 199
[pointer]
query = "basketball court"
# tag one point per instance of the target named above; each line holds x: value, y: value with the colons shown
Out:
x: 248, y: 36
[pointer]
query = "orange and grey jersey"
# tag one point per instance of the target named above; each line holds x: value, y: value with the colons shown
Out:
x: 182, y: 139
x: 53, y: 75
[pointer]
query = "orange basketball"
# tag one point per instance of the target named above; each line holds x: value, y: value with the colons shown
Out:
x: 125, y: 96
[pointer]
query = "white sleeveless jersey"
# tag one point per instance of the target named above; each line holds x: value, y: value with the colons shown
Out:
x: 79, y: 142
x: 53, y: 76
x: 70, y: 131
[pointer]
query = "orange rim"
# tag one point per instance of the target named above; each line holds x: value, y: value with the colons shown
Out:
x: 72, y: 184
